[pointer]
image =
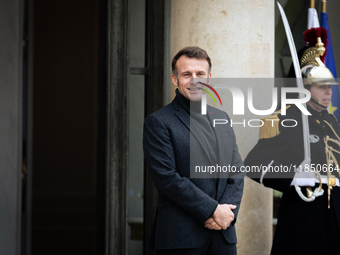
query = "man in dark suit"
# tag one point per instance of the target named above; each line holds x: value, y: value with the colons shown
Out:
x: 194, y: 215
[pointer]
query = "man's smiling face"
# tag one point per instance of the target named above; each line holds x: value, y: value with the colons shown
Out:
x: 190, y: 68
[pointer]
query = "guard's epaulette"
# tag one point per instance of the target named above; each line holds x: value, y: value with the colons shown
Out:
x: 270, y: 127
x: 334, y: 117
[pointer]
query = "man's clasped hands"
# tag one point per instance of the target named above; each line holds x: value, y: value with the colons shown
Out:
x: 222, y: 217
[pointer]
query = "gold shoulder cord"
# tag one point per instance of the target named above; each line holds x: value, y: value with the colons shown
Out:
x: 331, y: 160
x: 270, y: 127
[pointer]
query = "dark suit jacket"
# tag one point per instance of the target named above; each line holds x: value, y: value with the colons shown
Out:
x: 184, y: 203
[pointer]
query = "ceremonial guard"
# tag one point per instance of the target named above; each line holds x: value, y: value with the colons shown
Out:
x: 304, y: 227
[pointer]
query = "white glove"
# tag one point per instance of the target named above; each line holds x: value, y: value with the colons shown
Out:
x: 304, y: 179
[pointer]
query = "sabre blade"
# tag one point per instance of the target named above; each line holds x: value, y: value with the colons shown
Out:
x: 292, y: 47
x: 299, y: 83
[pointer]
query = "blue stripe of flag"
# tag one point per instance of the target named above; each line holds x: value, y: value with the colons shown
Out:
x: 329, y: 62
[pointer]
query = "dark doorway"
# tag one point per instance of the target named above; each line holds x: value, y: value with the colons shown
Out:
x: 79, y: 119
x: 65, y: 127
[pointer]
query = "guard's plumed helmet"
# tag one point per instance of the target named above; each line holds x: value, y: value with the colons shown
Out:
x: 313, y: 70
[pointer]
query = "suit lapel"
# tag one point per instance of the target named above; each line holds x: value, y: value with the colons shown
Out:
x: 194, y: 130
x: 223, y: 148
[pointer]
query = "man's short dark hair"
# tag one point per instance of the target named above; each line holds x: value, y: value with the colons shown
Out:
x: 190, y: 52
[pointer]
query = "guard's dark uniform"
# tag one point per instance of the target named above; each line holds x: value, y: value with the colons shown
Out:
x: 303, y: 227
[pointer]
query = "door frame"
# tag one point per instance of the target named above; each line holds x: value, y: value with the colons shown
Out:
x: 118, y: 70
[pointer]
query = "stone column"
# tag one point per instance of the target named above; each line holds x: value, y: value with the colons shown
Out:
x: 239, y: 38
